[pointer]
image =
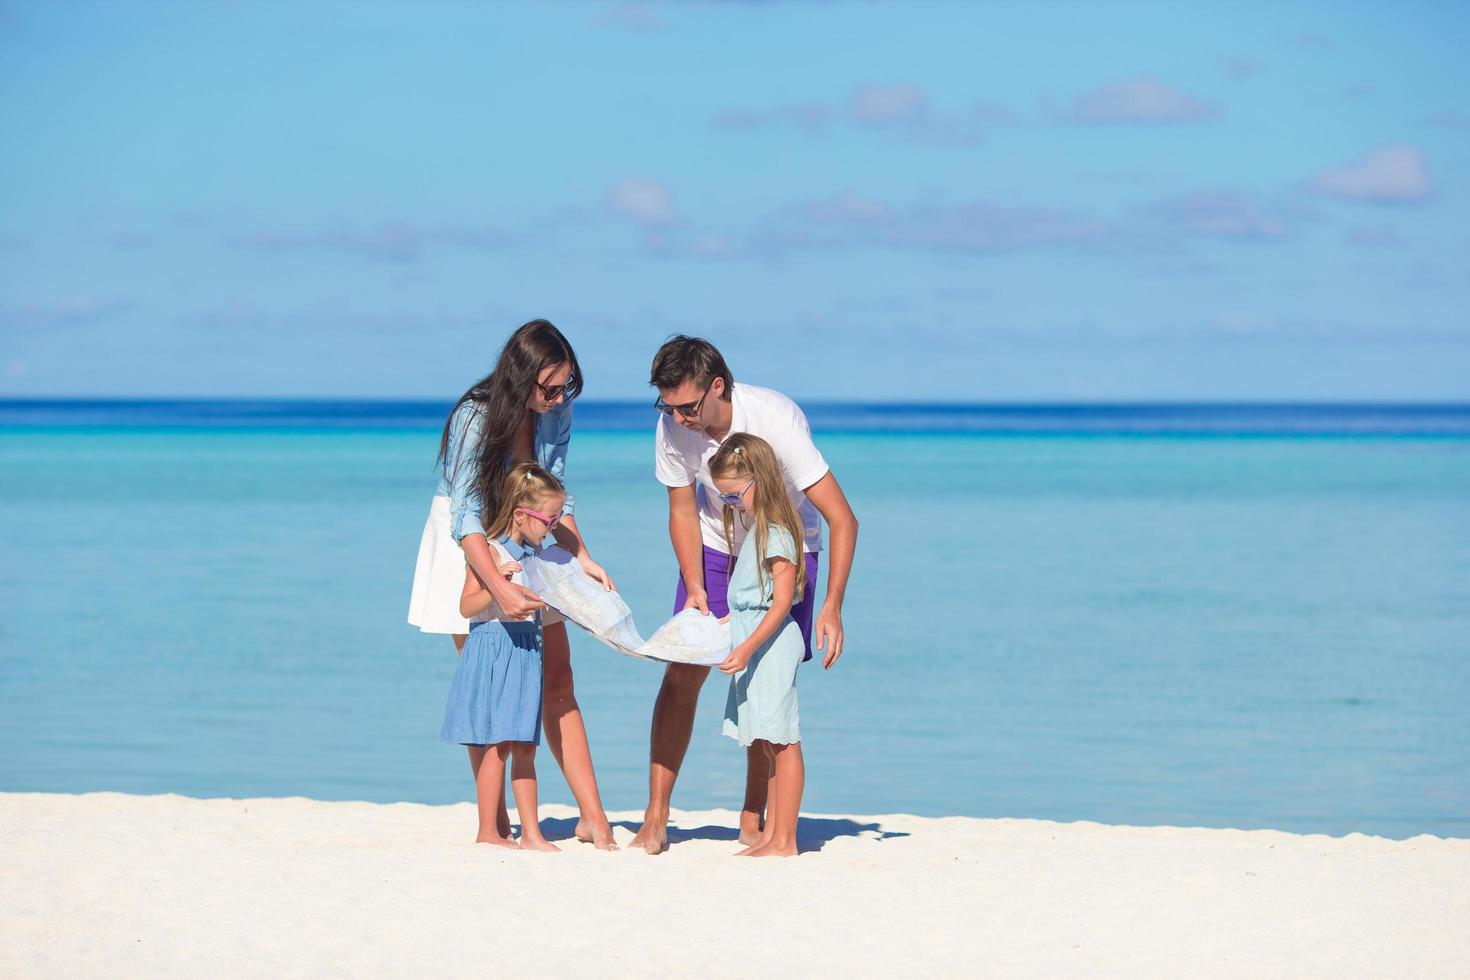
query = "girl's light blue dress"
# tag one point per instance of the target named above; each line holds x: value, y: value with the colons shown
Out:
x: 762, y: 699
x: 496, y: 692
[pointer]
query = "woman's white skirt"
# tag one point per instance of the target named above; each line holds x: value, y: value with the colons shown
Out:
x: 438, y: 580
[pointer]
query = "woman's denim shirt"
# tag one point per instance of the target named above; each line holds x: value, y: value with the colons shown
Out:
x: 457, y: 479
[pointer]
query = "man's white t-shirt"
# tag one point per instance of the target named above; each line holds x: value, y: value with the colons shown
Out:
x: 681, y: 457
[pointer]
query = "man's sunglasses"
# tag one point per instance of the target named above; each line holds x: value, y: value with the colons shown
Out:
x: 689, y: 410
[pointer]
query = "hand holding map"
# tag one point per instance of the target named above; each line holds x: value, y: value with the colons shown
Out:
x: 688, y: 638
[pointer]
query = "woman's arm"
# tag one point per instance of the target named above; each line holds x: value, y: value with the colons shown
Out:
x: 783, y: 581
x: 517, y: 601
x: 476, y: 596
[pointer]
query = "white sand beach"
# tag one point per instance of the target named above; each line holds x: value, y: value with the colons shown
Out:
x: 107, y: 884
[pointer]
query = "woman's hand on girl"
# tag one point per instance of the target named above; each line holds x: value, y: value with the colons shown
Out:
x: 596, y: 571
x: 737, y: 660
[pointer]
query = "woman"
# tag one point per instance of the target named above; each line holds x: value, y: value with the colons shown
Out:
x: 520, y: 412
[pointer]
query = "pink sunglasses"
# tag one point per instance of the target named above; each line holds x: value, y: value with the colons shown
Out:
x: 550, y: 522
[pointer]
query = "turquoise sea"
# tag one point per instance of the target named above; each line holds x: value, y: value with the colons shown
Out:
x: 1234, y: 616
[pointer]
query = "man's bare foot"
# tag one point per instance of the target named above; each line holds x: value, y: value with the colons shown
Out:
x: 772, y: 849
x: 750, y: 827
x: 499, y: 840
x: 537, y: 844
x: 652, y: 837
x: 600, y: 837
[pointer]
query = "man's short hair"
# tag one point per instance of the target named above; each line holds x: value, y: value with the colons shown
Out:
x: 683, y: 359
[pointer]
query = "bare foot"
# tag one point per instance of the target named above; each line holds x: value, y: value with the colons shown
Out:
x: 652, y: 837
x: 601, y: 838
x: 537, y: 844
x: 760, y: 841
x: 750, y: 828
x: 498, y: 840
x: 772, y: 849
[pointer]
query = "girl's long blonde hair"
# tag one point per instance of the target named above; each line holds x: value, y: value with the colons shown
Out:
x: 525, y: 484
x: 744, y: 456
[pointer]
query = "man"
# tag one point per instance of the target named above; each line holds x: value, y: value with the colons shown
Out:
x: 701, y: 405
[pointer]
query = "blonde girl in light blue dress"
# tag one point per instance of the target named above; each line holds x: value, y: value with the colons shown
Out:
x: 761, y: 708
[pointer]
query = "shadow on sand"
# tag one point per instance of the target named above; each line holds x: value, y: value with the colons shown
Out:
x: 812, y: 833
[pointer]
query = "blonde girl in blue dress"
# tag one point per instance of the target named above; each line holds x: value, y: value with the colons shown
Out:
x: 761, y: 708
x: 494, y: 705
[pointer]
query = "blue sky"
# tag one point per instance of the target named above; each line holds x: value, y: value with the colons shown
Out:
x: 857, y: 200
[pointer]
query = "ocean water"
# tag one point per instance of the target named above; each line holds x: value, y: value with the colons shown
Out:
x: 1234, y: 616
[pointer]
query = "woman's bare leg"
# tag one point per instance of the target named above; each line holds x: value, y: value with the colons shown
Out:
x: 458, y: 639
x: 523, y: 782
x: 785, y: 803
x: 566, y: 736
x: 488, y: 763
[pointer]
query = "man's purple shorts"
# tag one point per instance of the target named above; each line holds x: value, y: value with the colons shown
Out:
x: 717, y: 568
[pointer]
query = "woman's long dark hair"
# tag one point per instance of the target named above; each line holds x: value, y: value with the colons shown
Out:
x: 500, y: 398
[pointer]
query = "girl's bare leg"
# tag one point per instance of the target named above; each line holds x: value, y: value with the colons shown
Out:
x: 785, y: 803
x: 489, y: 770
x: 502, y: 816
x: 523, y: 782
x: 567, y: 737
x: 458, y: 639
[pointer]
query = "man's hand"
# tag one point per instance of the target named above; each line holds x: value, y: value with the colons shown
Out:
x: 829, y: 634
x: 595, y: 571
x: 698, y: 599
x: 738, y: 658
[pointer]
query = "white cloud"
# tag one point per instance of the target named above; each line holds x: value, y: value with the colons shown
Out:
x: 1392, y: 175
x: 888, y: 105
x: 633, y: 17
x: 646, y: 202
x: 389, y: 242
x: 847, y: 208
x: 1138, y: 100
x: 71, y: 311
x: 903, y: 110
x: 1374, y: 236
x: 1221, y: 214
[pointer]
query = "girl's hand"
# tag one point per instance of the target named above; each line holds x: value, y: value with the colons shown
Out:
x: 736, y: 661
x: 595, y: 571
x: 509, y: 568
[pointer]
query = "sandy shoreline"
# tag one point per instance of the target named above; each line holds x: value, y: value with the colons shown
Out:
x: 111, y: 884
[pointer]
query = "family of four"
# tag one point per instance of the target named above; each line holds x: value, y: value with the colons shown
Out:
x: 748, y: 492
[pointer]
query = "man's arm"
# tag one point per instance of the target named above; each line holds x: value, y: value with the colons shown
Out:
x: 688, y: 545
x: 830, y: 501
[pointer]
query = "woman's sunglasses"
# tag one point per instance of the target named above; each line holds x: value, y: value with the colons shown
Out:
x: 550, y: 392
x: 550, y: 522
